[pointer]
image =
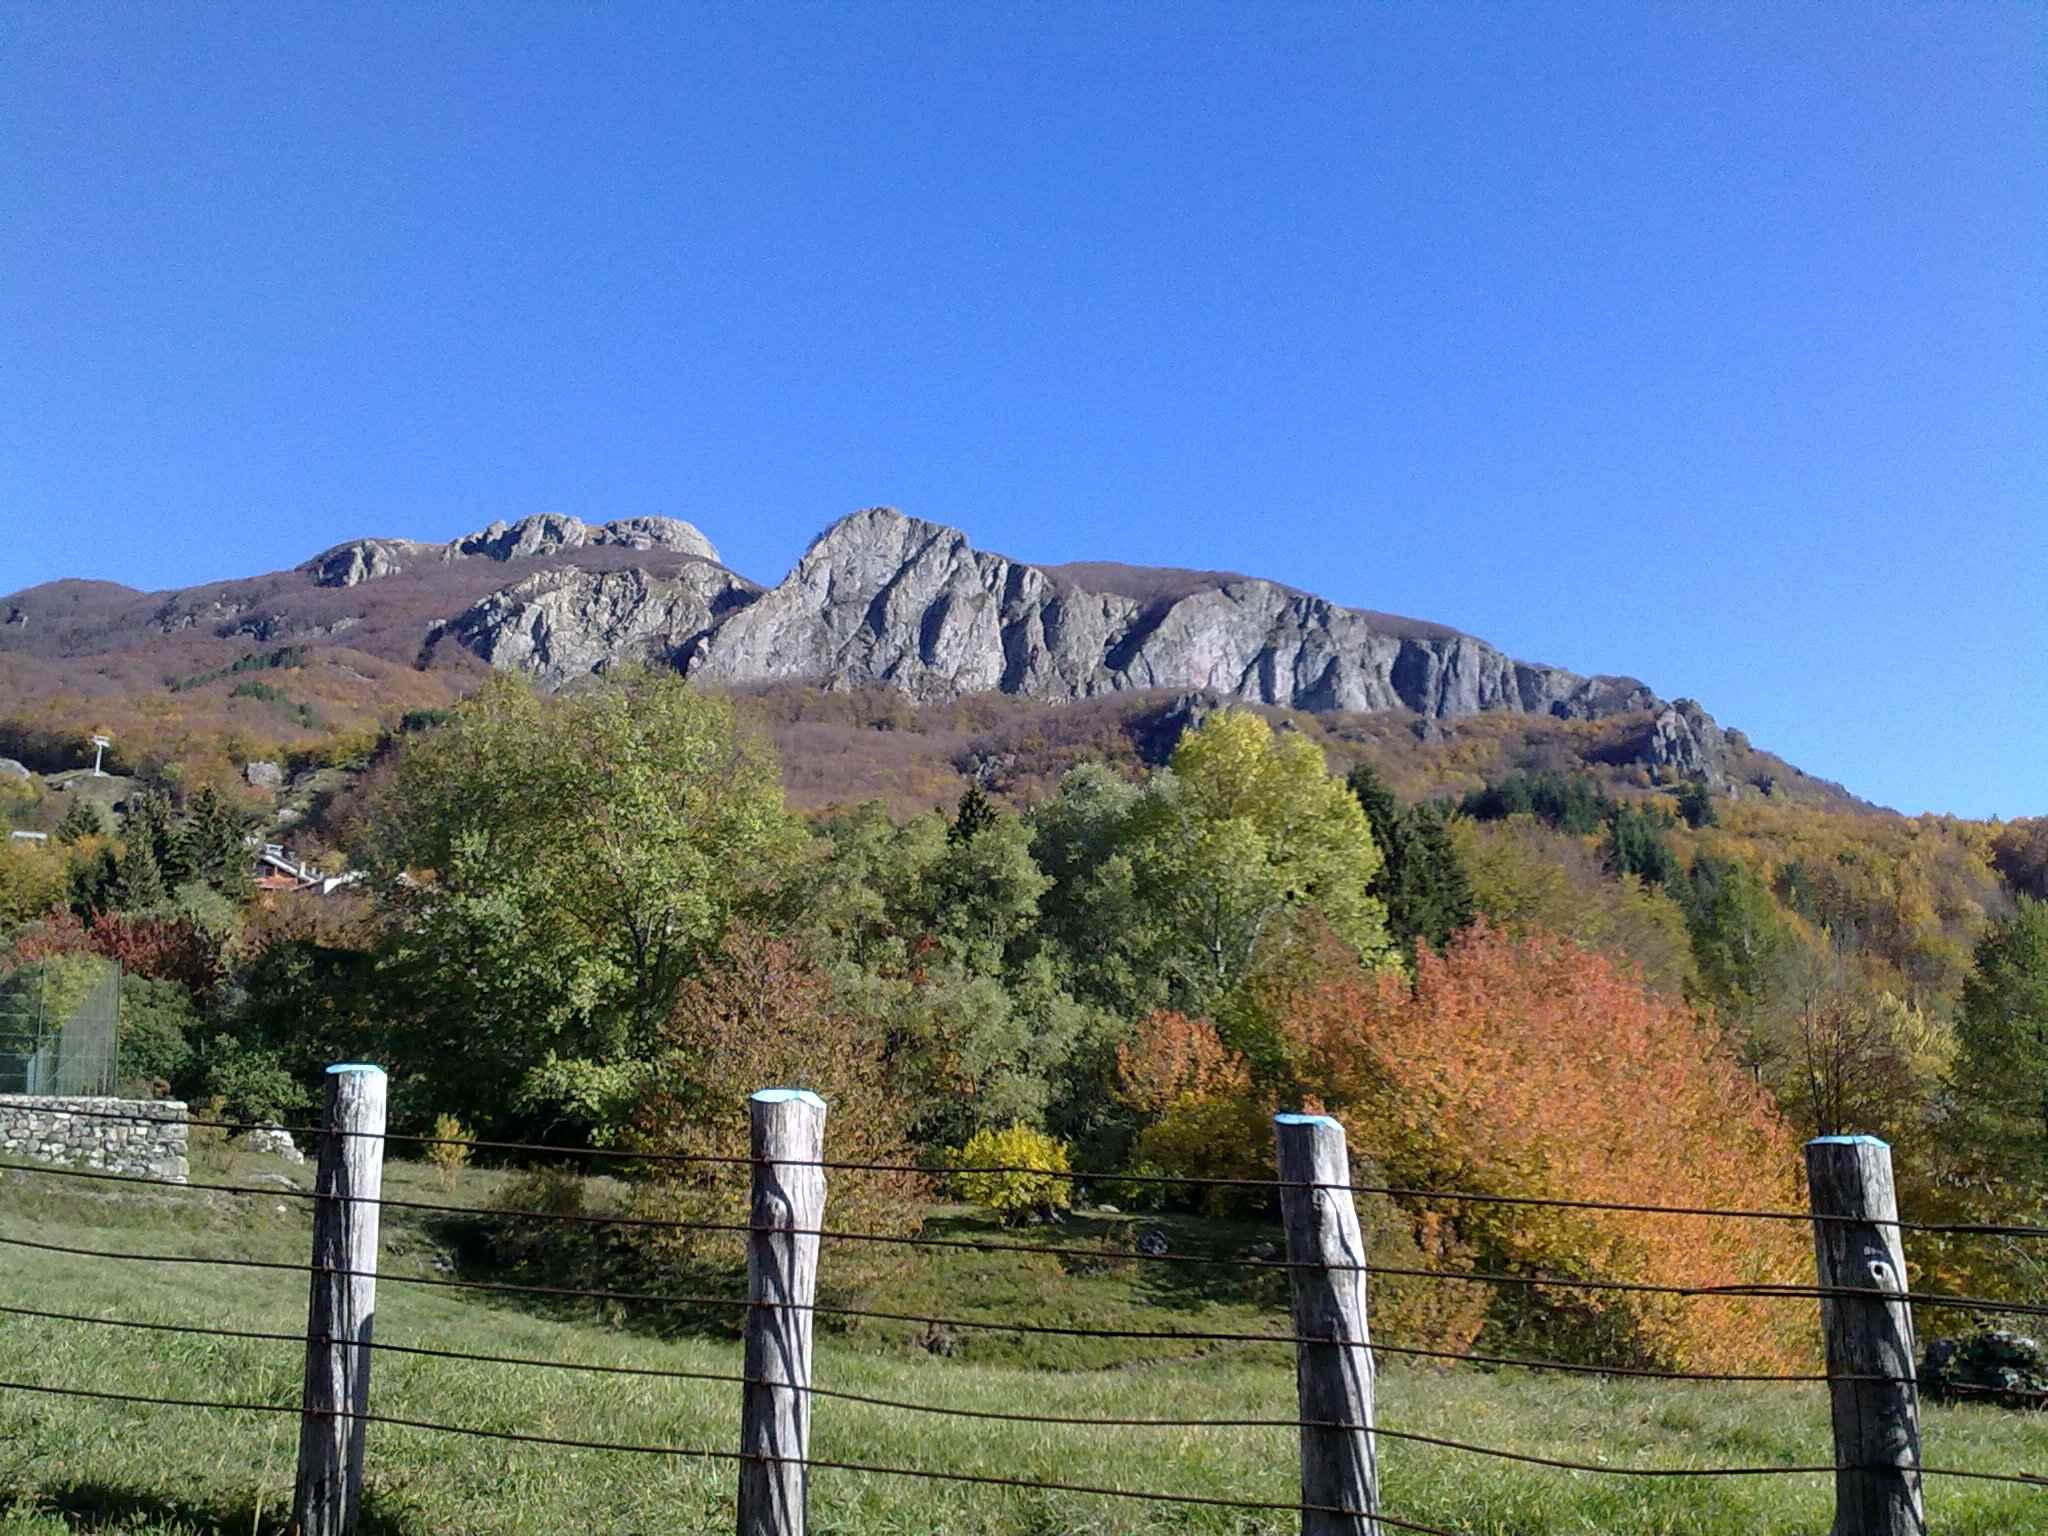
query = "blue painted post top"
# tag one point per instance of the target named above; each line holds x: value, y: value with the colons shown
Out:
x: 1305, y: 1120
x: 788, y: 1095
x: 354, y: 1066
x: 1850, y: 1141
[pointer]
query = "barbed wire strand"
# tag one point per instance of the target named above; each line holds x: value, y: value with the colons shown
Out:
x: 1083, y: 1176
x: 824, y: 1309
x: 2022, y: 1479
x: 1377, y: 1347
x: 675, y: 1450
x: 1760, y: 1290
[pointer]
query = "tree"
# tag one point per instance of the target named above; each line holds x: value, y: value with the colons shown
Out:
x: 1696, y: 804
x: 209, y: 845
x: 1738, y: 939
x: 138, y: 883
x: 2003, y: 1030
x: 1244, y: 828
x: 1636, y: 846
x: 1422, y: 880
x: 976, y: 814
x: 80, y: 821
x: 763, y: 1014
x: 1529, y: 1066
x: 553, y: 870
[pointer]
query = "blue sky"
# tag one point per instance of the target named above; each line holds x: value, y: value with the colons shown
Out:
x: 1705, y: 343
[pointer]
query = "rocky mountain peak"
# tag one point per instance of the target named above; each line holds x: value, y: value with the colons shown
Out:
x: 543, y: 533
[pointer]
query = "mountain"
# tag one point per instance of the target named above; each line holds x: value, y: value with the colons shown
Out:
x: 880, y: 600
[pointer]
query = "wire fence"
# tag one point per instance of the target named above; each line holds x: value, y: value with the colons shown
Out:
x: 337, y: 1199
x: 60, y: 1027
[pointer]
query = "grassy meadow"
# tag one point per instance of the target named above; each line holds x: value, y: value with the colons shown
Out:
x: 76, y: 1465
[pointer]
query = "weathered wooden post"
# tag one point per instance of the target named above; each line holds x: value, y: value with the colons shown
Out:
x: 1857, y: 1244
x: 343, y: 1302
x: 782, y: 1284
x: 1334, y: 1381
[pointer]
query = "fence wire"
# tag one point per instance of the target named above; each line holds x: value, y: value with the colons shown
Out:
x: 1191, y: 1181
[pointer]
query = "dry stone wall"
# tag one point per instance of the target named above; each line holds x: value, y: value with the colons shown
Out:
x: 143, y: 1138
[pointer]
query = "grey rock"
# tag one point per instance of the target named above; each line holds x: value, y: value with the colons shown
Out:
x: 565, y: 623
x: 881, y: 598
x: 263, y: 775
x: 1152, y: 1243
x: 274, y: 1140
x: 10, y: 769
x: 351, y: 564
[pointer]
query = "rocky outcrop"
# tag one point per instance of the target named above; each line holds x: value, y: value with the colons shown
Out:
x: 564, y: 623
x: 545, y: 533
x: 884, y: 599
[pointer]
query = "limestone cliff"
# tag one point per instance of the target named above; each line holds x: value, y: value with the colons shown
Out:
x: 361, y: 560
x: 885, y: 599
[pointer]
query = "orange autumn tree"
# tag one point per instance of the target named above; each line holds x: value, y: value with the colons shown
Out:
x: 1529, y: 1066
x: 1202, y: 1116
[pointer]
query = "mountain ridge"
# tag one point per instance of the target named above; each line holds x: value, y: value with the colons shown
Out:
x: 879, y: 599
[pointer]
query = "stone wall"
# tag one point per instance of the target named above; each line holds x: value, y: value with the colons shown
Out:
x: 146, y: 1141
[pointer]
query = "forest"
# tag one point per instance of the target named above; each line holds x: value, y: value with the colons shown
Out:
x: 595, y: 918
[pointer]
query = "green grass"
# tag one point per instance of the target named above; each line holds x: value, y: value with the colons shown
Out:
x: 68, y: 1465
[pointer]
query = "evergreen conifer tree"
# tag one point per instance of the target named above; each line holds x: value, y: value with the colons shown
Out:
x: 138, y: 882
x: 976, y: 814
x: 81, y: 821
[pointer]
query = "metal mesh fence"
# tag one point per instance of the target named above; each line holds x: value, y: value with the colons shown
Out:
x: 60, y: 1027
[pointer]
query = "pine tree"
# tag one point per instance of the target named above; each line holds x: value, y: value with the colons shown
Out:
x: 1422, y: 880
x: 80, y: 822
x: 138, y: 882
x: 976, y: 814
x: 90, y: 883
x: 1433, y: 897
x: 209, y: 845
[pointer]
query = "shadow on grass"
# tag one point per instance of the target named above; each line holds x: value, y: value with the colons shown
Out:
x: 86, y: 1505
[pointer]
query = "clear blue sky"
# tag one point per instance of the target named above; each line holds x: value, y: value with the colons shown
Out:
x: 1707, y: 343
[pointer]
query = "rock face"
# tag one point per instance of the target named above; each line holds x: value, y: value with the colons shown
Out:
x: 560, y: 624
x: 885, y: 599
x: 348, y: 565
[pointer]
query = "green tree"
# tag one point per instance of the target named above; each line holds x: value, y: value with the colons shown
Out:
x: 554, y: 868
x: 209, y: 845
x: 976, y: 814
x: 1422, y: 880
x: 1636, y: 846
x: 81, y: 821
x: 1696, y: 804
x: 2003, y: 1030
x: 138, y: 883
x: 1245, y: 828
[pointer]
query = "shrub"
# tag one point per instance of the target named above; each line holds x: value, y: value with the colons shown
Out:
x: 763, y: 1014
x: 449, y: 1151
x: 1014, y: 1196
x: 1989, y: 1366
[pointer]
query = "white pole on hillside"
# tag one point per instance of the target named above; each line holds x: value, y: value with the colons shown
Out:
x: 1340, y: 1475
x: 786, y: 1211
x: 342, y: 1304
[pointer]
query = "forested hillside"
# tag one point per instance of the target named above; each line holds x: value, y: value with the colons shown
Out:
x: 1511, y: 956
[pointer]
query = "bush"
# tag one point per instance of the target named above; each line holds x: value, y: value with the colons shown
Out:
x: 1989, y: 1366
x: 1012, y: 1197
x: 449, y: 1151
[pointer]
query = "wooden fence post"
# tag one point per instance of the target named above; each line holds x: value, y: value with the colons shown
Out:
x: 1857, y: 1244
x: 343, y: 1302
x: 782, y: 1284
x: 1334, y: 1381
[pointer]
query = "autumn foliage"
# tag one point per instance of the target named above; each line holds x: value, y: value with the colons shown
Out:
x: 1529, y: 1066
x: 156, y: 948
x: 762, y: 1014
